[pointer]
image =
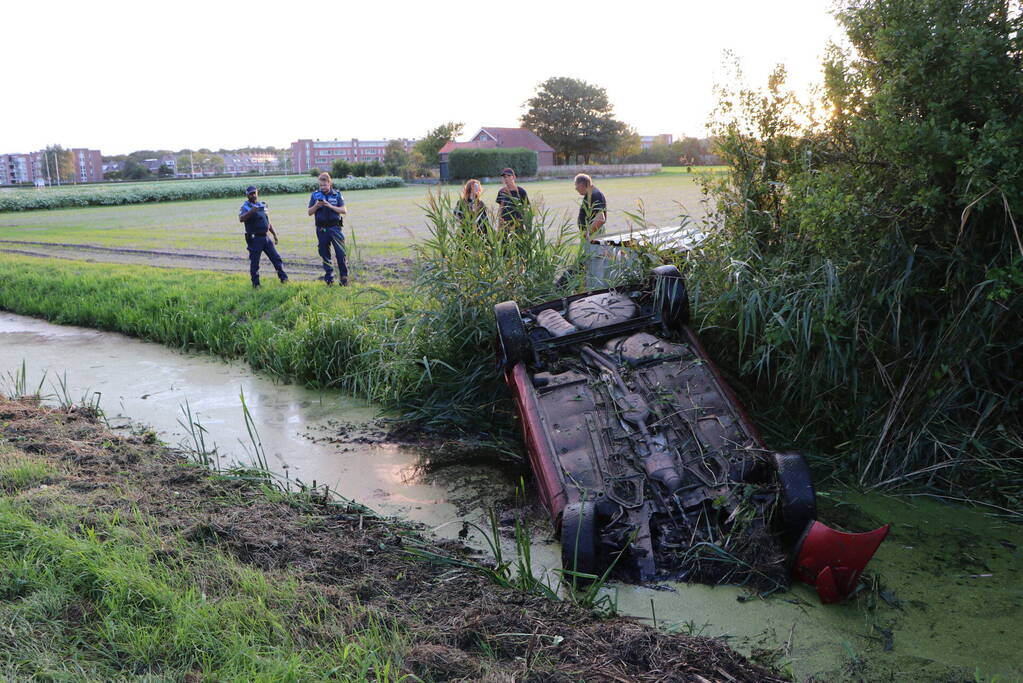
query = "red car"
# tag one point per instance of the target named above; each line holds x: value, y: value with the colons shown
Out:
x: 645, y: 459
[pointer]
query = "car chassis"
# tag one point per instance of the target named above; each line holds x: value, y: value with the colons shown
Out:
x: 645, y: 459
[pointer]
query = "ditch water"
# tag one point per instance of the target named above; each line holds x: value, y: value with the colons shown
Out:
x: 945, y: 604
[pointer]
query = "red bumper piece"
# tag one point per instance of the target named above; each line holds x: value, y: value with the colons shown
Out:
x: 832, y: 561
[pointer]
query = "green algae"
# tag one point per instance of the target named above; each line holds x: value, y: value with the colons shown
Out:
x: 941, y: 601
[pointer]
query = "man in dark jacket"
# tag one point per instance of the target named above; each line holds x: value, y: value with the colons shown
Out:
x: 512, y: 202
x: 257, y: 225
x: 593, y: 208
x: 328, y: 206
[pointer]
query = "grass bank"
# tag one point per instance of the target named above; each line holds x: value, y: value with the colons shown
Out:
x: 120, y: 560
x: 301, y: 332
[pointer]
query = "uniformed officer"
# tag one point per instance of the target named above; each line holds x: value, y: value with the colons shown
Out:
x: 257, y: 224
x: 328, y: 206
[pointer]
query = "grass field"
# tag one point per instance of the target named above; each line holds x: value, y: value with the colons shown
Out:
x: 382, y: 222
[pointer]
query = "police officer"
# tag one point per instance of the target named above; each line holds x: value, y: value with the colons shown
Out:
x: 257, y: 224
x: 328, y: 206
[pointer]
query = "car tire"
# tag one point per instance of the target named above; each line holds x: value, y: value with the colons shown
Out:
x: 579, y: 538
x: 798, y: 500
x: 670, y: 297
x: 513, y: 344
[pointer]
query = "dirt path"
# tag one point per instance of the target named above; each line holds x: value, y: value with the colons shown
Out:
x: 372, y: 270
x: 463, y: 627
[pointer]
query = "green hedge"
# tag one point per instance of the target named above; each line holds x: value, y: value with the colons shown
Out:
x: 484, y: 163
x: 167, y: 191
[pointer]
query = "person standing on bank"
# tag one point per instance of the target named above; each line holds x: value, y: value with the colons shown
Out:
x: 512, y: 202
x: 470, y: 210
x: 257, y: 224
x: 328, y: 206
x: 593, y: 208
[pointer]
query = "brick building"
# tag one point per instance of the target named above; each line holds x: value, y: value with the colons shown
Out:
x: 18, y: 168
x: 88, y: 165
x: 321, y: 154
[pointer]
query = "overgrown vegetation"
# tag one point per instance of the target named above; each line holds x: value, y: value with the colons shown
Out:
x: 868, y: 271
x: 140, y: 193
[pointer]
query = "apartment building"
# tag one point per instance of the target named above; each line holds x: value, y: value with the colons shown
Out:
x: 88, y: 165
x: 17, y: 168
x: 321, y: 154
x: 22, y: 168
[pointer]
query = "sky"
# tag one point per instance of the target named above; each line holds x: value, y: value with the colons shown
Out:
x: 123, y: 76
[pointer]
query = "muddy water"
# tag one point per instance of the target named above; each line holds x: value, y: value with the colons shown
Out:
x: 306, y: 435
x: 945, y: 603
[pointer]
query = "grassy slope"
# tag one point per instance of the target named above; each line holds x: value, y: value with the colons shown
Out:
x: 382, y: 221
x: 120, y: 561
x: 302, y: 332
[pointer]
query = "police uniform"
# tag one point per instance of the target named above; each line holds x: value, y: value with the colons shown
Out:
x: 328, y: 233
x: 258, y: 242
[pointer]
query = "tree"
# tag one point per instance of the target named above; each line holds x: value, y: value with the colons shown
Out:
x: 628, y: 144
x: 435, y: 139
x: 870, y: 263
x: 396, y: 159
x: 574, y: 117
x: 133, y: 170
x: 165, y: 171
x: 59, y: 164
x: 201, y: 162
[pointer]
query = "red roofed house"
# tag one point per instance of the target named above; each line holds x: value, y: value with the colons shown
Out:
x: 491, y: 138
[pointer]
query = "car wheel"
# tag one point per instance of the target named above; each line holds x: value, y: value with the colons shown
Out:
x: 579, y: 538
x: 511, y: 334
x: 671, y: 297
x: 798, y: 500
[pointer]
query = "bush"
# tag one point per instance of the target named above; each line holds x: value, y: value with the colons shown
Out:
x: 340, y: 168
x: 314, y: 172
x: 869, y: 269
x: 487, y: 163
x: 139, y: 193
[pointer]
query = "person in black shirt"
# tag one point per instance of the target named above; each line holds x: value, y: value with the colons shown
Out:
x: 257, y: 225
x: 513, y: 202
x: 470, y: 209
x: 593, y: 208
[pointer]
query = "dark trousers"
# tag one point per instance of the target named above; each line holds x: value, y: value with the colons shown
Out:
x: 328, y: 237
x: 257, y: 246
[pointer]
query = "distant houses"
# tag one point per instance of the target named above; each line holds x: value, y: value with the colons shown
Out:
x: 493, y: 138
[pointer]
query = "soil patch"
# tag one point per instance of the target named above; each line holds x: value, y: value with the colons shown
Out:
x: 463, y: 627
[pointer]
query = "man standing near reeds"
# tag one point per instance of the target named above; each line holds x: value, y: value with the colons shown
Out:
x: 257, y: 225
x: 328, y: 206
x: 593, y: 208
x: 512, y: 202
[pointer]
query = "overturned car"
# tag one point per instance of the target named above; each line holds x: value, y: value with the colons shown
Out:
x: 645, y: 459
